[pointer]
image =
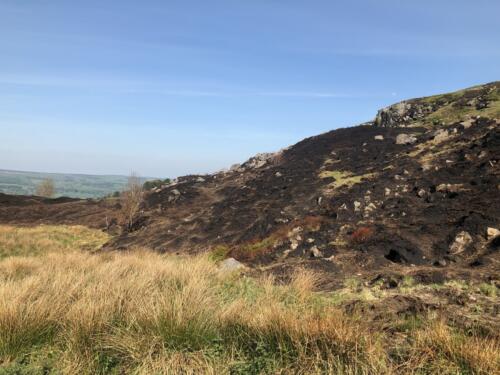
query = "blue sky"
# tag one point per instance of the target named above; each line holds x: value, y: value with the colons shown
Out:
x: 168, y: 88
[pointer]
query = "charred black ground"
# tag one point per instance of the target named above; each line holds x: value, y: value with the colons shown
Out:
x: 415, y: 191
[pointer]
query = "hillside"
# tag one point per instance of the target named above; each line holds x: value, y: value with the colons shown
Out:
x: 415, y: 190
x: 67, y: 185
x: 366, y: 250
x: 418, y: 186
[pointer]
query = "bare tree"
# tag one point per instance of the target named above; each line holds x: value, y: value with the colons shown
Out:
x: 46, y: 188
x: 131, y: 199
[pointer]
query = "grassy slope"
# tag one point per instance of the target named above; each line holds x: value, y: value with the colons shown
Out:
x: 67, y: 310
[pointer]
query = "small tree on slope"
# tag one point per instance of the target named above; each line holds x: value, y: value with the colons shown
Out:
x: 131, y: 199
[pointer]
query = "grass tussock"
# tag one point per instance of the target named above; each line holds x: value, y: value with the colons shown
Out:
x: 146, y: 313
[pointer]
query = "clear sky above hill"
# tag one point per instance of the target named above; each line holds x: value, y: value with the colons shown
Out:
x: 169, y: 88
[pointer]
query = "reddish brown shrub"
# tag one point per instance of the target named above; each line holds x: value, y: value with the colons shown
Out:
x: 362, y: 234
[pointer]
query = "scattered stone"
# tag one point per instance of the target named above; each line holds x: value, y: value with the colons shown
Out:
x: 315, y: 252
x: 441, y: 135
x: 421, y: 193
x: 357, y: 206
x: 405, y: 139
x: 310, y: 240
x: 441, y: 263
x: 200, y: 179
x: 278, y: 174
x: 379, y: 137
x: 176, y: 192
x: 450, y: 188
x: 461, y: 243
x: 371, y: 207
x: 492, y: 233
x: 467, y: 124
x: 482, y: 154
x: 387, y: 192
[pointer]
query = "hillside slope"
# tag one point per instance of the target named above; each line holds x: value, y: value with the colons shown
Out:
x: 417, y: 190
x: 417, y: 187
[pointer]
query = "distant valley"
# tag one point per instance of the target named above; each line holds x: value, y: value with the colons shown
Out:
x: 68, y: 185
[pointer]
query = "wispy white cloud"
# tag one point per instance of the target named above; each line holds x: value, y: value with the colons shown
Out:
x: 130, y: 86
x: 306, y: 94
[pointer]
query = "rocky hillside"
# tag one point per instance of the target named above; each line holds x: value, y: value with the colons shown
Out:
x: 415, y: 190
x: 419, y: 186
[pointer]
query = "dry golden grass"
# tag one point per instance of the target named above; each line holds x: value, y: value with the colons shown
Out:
x: 145, y: 313
x: 30, y: 241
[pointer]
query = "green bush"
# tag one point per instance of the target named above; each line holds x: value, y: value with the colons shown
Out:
x: 152, y: 184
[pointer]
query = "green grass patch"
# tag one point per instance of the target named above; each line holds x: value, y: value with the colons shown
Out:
x: 344, y: 178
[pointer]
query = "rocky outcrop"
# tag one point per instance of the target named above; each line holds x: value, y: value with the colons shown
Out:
x: 401, y: 113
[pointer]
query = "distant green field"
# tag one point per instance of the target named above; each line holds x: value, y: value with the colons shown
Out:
x: 68, y: 185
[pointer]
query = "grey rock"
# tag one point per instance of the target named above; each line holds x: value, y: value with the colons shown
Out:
x: 461, y: 243
x: 357, y: 206
x: 315, y: 252
x: 450, y: 188
x: 230, y: 265
x: 441, y: 135
x: 405, y: 139
x: 492, y: 233
x: 441, y: 262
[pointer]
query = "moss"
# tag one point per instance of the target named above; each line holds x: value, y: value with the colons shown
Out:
x: 488, y: 290
x: 253, y: 250
x: 219, y: 253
